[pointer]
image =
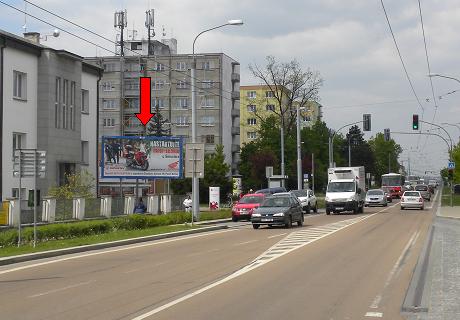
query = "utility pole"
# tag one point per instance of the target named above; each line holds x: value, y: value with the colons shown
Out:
x: 313, y: 172
x: 299, y: 159
x: 121, y: 22
x: 149, y: 24
x: 389, y: 165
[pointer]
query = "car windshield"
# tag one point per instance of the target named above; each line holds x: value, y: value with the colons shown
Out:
x: 300, y: 193
x: 341, y: 187
x: 276, y: 202
x: 421, y: 188
x: 251, y: 199
x: 375, y: 193
x: 411, y: 194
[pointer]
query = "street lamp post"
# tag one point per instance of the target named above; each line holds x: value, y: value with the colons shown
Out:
x: 195, y: 179
x: 453, y: 125
x: 299, y: 149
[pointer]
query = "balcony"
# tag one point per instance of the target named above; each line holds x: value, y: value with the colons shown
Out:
x: 235, y: 131
x: 235, y: 77
x: 235, y: 113
x: 235, y: 95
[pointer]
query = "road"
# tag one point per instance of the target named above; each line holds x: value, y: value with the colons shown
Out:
x: 334, y: 267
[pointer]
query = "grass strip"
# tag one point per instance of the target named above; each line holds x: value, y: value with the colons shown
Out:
x: 445, y: 199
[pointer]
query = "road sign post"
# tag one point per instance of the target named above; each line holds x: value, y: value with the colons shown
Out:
x: 194, y: 168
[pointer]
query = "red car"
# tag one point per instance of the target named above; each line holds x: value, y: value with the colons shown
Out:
x: 244, y: 208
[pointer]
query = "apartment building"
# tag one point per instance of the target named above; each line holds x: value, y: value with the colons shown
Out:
x: 217, y: 95
x: 258, y: 102
x: 48, y: 102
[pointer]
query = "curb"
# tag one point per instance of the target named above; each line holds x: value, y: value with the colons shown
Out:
x: 104, y: 245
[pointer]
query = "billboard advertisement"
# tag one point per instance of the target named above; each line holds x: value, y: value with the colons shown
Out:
x: 141, y: 157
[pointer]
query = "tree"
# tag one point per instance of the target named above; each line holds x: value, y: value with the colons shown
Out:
x: 384, y: 150
x: 216, y: 173
x: 77, y: 184
x: 361, y: 152
x: 158, y: 125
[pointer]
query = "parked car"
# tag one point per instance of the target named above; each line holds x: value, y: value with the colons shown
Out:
x: 279, y: 210
x: 375, y: 197
x: 307, y: 200
x: 270, y: 191
x: 412, y: 199
x: 244, y: 208
x: 424, y: 191
x: 457, y: 188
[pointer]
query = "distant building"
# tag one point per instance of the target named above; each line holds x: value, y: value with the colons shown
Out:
x: 258, y: 102
x: 48, y: 102
x: 217, y: 100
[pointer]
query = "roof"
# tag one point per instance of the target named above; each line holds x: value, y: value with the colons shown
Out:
x: 342, y: 180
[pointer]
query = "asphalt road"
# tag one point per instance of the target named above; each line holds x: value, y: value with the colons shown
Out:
x: 334, y: 267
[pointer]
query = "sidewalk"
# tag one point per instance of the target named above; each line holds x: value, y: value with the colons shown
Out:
x: 434, y: 292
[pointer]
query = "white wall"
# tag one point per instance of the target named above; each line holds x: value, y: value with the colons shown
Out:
x: 89, y: 121
x: 18, y: 116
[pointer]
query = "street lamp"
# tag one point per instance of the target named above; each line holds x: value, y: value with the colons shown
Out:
x: 299, y: 147
x: 442, y: 76
x: 453, y: 125
x: 195, y: 179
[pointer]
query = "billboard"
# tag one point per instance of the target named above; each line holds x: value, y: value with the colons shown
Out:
x: 136, y: 157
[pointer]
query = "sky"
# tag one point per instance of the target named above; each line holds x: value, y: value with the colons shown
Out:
x: 348, y: 42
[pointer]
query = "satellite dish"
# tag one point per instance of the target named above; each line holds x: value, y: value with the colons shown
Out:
x: 56, y: 33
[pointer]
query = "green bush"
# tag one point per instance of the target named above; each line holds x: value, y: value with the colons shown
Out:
x: 8, y: 238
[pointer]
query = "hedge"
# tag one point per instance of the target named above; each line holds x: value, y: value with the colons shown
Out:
x: 60, y: 231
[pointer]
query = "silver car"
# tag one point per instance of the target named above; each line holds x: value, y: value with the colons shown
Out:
x: 424, y: 191
x: 412, y: 199
x: 375, y: 197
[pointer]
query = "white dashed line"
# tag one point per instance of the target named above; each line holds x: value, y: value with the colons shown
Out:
x: 374, y: 314
x: 246, y: 242
x: 61, y: 289
x: 277, y: 235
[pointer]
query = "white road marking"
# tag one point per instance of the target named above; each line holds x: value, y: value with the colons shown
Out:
x: 246, y: 242
x: 396, y: 267
x: 374, y: 314
x: 61, y: 289
x: 153, y: 243
x: 271, y: 254
x: 277, y: 235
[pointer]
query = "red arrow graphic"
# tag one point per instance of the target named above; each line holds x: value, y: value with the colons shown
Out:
x: 145, y: 101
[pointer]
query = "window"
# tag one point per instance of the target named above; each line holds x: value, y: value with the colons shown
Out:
x: 251, y: 108
x: 269, y: 94
x: 132, y: 84
x: 182, y: 121
x: 19, y: 141
x: 251, y: 94
x: 207, y: 84
x: 19, y: 85
x: 209, y: 138
x: 72, y: 105
x: 270, y: 107
x: 107, y: 86
x: 159, y: 102
x: 181, y: 65
x: 252, y: 121
x: 206, y: 65
x: 159, y: 66
x: 158, y: 84
x: 182, y: 103
x: 207, y: 121
x: 306, y: 118
x: 85, y: 101
x: 57, y: 103
x: 181, y: 84
x: 207, y: 102
x: 109, y: 122
x: 109, y: 104
x: 252, y: 135
x: 129, y: 103
x: 110, y: 67
x: 84, y: 152
x: 15, y: 193
x: 65, y: 104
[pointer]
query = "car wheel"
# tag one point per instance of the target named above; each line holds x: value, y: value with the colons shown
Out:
x: 300, y: 222
x: 355, y: 209
x: 328, y: 212
x: 315, y: 209
x: 402, y: 208
x: 422, y: 208
x: 288, y: 224
x: 386, y: 204
x: 256, y: 226
x: 308, y: 209
x: 361, y: 209
x: 234, y: 218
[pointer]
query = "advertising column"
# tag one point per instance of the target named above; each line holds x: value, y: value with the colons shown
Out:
x: 214, y: 196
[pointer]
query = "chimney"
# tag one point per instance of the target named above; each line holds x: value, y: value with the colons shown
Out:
x: 33, y: 37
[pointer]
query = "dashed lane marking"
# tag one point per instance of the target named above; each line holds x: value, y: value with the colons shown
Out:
x: 374, y: 314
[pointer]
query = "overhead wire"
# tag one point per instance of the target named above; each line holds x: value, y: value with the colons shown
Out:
x: 111, y: 51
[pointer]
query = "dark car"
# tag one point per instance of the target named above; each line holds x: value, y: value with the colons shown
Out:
x: 270, y: 191
x: 279, y: 210
x: 457, y: 189
x: 424, y: 191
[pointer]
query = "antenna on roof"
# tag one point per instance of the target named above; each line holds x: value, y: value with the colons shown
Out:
x: 25, y: 17
x: 164, y: 31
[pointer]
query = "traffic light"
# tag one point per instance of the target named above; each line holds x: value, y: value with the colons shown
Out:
x: 386, y: 134
x: 366, y: 122
x: 415, y: 124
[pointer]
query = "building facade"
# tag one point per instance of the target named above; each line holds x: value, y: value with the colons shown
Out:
x: 48, y: 102
x: 258, y: 102
x: 217, y: 95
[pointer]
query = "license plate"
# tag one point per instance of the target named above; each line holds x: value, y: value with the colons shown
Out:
x: 339, y: 208
x: 266, y: 220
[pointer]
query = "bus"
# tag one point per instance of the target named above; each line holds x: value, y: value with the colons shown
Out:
x: 393, y: 183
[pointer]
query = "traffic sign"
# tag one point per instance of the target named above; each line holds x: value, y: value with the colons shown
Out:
x: 451, y: 165
x: 194, y: 160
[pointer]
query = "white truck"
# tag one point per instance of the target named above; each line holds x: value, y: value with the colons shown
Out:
x: 345, y: 189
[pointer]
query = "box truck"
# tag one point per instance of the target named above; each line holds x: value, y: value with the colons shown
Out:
x: 345, y: 189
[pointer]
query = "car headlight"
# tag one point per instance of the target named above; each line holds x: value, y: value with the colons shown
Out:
x: 281, y: 214
x: 256, y: 215
x: 327, y: 199
x: 351, y: 198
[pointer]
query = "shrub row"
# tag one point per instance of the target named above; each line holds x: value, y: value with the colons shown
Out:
x: 70, y: 230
